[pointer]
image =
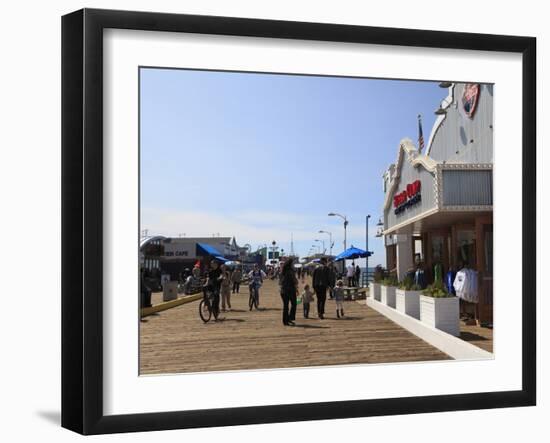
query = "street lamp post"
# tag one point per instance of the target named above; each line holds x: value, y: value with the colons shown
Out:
x: 367, y: 248
x: 323, y: 242
x: 330, y: 238
x: 343, y: 217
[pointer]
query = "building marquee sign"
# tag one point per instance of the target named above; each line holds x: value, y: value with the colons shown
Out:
x: 407, y: 198
x: 470, y: 98
x: 178, y: 249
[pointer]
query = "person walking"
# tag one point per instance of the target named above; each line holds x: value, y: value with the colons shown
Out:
x: 357, y: 276
x: 339, y: 298
x: 256, y: 277
x: 225, y: 288
x: 289, y: 291
x: 320, y: 283
x: 351, y: 274
x: 236, y: 278
x: 307, y: 298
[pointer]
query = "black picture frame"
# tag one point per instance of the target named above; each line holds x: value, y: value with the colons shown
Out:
x: 82, y: 218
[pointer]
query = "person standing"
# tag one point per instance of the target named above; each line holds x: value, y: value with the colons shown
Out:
x: 225, y: 288
x: 320, y: 283
x: 145, y: 288
x: 236, y: 278
x: 196, y: 271
x: 350, y: 274
x: 289, y: 291
x: 357, y: 276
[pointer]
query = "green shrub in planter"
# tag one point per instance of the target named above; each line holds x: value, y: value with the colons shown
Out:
x: 436, y: 290
x: 389, y: 281
x: 408, y: 285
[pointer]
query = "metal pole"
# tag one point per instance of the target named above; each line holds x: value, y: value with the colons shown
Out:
x: 345, y: 233
x: 367, y: 244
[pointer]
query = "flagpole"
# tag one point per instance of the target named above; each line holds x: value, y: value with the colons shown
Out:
x: 420, y: 135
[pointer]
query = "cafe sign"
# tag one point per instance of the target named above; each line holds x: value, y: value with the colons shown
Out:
x: 407, y: 198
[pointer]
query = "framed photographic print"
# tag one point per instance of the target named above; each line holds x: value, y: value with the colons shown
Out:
x: 269, y: 221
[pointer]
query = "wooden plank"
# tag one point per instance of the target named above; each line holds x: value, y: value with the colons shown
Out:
x: 176, y: 340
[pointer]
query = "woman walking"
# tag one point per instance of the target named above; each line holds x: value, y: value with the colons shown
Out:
x: 289, y: 290
x: 225, y: 288
x: 236, y: 278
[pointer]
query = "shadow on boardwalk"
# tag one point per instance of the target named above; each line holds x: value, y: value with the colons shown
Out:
x: 178, y: 341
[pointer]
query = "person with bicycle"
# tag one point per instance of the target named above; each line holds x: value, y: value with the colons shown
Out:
x: 256, y: 278
x: 214, y: 278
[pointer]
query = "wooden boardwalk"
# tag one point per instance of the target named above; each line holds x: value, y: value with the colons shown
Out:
x: 176, y: 340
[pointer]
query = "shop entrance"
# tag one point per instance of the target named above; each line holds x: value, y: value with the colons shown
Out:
x: 484, y: 231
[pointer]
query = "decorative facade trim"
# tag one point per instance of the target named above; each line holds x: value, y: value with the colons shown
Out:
x: 407, y: 150
x: 445, y: 103
x: 410, y: 220
x: 438, y: 192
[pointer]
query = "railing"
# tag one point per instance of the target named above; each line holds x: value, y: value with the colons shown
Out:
x: 366, y: 277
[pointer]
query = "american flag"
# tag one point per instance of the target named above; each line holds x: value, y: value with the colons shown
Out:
x: 420, y: 136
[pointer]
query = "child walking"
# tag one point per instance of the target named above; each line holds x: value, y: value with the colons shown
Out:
x: 307, y: 298
x: 339, y: 298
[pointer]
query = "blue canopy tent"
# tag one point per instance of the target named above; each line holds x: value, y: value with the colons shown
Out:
x: 204, y: 249
x: 352, y: 253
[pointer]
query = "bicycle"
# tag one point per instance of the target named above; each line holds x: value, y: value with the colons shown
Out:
x: 207, y: 307
x: 253, y: 296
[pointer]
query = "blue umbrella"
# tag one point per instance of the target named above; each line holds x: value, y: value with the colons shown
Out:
x: 352, y: 253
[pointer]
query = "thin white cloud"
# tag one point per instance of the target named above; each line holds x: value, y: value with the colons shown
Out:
x: 246, y: 227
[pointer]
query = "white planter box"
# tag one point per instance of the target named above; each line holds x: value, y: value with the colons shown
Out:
x: 374, y: 289
x: 441, y: 313
x: 387, y: 295
x: 408, y: 302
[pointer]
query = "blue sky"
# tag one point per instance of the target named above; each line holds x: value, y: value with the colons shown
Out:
x: 261, y: 156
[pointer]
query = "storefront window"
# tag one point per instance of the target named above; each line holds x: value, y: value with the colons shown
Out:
x: 418, y: 257
x: 437, y: 248
x: 466, y: 248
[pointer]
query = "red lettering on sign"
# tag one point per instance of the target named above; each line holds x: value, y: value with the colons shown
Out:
x: 410, y: 191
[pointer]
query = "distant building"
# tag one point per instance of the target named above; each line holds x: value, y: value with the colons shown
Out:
x: 173, y: 255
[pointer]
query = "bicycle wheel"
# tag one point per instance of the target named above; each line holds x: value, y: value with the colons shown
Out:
x: 204, y: 311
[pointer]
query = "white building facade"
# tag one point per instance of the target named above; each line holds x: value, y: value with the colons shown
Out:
x: 438, y: 204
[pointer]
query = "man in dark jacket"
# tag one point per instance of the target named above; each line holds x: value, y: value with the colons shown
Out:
x: 320, y: 283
